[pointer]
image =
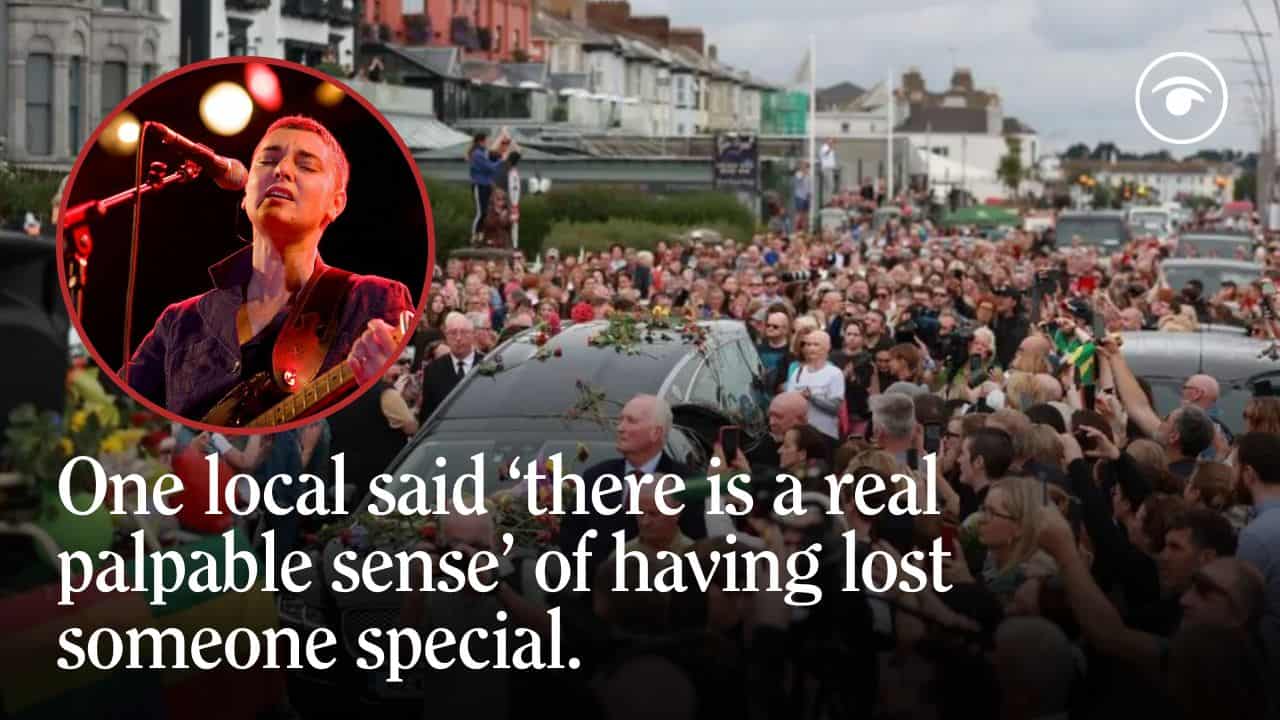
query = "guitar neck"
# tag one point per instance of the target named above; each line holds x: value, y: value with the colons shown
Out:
x: 318, y: 392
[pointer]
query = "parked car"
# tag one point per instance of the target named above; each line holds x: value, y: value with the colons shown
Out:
x: 1104, y: 229
x: 1226, y: 245
x: 1167, y: 359
x: 1210, y: 272
x: 524, y: 401
x: 1153, y: 221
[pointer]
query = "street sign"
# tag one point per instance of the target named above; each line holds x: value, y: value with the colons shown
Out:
x: 736, y: 162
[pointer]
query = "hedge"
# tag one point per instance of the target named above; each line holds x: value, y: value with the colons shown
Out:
x: 541, y: 215
x: 23, y: 191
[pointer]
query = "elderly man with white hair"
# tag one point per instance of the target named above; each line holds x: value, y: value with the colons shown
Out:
x: 444, y: 373
x: 641, y: 439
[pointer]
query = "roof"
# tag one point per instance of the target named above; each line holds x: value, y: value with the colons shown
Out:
x: 444, y: 61
x: 945, y: 120
x: 1014, y: 126
x: 526, y: 72
x: 838, y: 96
x: 1240, y: 265
x: 513, y: 391
x: 421, y: 132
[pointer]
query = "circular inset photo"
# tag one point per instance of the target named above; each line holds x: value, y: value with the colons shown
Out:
x: 245, y: 244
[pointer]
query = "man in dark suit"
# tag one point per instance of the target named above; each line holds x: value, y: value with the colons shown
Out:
x: 444, y: 373
x: 641, y: 437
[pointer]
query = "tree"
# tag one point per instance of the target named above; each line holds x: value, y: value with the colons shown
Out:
x: 1246, y: 187
x: 1010, y: 168
x: 1077, y: 151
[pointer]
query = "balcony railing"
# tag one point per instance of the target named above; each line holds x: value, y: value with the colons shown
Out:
x: 308, y: 9
x: 248, y: 5
x: 463, y: 34
x: 342, y: 12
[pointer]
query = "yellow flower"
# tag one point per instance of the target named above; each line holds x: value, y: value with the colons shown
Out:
x: 65, y: 448
x: 121, y: 440
x: 661, y: 311
x: 78, y: 419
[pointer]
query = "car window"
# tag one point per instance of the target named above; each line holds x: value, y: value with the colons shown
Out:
x: 1211, y: 276
x: 706, y: 386
x: 681, y: 447
x: 1092, y: 231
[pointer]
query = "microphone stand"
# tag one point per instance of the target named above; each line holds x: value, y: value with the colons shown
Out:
x: 77, y: 222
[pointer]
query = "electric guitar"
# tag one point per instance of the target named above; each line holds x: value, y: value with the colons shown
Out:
x: 261, y: 401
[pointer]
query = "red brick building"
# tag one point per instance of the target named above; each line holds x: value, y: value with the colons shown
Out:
x: 494, y: 30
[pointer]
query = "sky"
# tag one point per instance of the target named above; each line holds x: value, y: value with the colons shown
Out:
x: 1068, y: 69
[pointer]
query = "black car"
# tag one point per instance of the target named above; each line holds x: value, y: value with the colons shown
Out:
x: 525, y: 400
x: 1210, y: 272
x: 1167, y: 359
x: 1103, y: 229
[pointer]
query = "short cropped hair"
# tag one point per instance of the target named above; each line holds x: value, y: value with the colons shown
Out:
x: 302, y: 122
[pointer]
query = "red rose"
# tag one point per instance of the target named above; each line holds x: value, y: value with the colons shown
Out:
x: 558, y: 352
x: 139, y: 417
x: 345, y: 535
x: 427, y: 532
x: 311, y: 538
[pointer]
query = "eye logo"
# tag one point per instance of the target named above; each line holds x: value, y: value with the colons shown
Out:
x: 1188, y: 102
x: 1178, y: 101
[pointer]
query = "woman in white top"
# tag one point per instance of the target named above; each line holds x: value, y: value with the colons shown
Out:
x: 819, y: 381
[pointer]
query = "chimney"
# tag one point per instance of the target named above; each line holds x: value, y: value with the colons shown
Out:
x: 574, y: 10
x: 962, y: 80
x: 609, y: 14
x: 654, y: 27
x: 691, y: 38
x: 712, y: 52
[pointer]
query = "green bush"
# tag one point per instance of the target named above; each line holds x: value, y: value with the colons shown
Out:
x: 23, y: 191
x: 570, y: 237
x: 542, y: 216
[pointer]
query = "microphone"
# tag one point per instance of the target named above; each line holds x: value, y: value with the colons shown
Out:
x: 227, y: 173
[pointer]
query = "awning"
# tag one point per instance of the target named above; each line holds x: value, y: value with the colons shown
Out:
x: 422, y: 132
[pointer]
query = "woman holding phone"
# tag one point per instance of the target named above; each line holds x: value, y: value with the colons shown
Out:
x: 484, y: 165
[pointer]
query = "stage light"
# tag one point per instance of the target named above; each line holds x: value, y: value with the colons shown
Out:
x: 120, y: 136
x: 226, y: 108
x: 263, y: 86
x: 328, y: 94
x: 127, y: 132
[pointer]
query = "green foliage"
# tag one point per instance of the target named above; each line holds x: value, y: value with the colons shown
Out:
x: 1010, y: 168
x: 569, y: 237
x: 592, y: 216
x: 1246, y: 186
x: 23, y: 191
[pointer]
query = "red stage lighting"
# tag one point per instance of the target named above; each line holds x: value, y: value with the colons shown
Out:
x: 263, y: 86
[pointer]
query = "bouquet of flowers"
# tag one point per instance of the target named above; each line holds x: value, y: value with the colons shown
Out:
x: 124, y: 438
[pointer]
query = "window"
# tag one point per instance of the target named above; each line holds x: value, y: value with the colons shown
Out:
x: 237, y: 36
x: 148, y: 72
x: 497, y: 39
x: 844, y: 128
x: 40, y: 104
x: 75, y: 92
x: 114, y: 86
x: 515, y: 39
x: 116, y: 4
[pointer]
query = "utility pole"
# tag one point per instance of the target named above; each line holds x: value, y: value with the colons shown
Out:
x: 888, y: 194
x: 1265, y: 173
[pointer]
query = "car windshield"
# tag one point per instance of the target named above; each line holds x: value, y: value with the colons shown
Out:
x: 1212, y: 276
x: 1148, y: 220
x: 498, y: 450
x: 1092, y: 231
x: 1220, y: 246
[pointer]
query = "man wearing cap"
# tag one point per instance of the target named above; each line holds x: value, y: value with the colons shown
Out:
x: 1010, y: 325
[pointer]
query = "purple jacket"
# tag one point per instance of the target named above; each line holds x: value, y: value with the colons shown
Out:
x: 191, y: 358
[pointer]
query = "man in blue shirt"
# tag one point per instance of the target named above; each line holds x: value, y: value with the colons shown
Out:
x: 1258, y: 468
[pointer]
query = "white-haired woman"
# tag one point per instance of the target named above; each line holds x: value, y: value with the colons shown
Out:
x: 819, y: 381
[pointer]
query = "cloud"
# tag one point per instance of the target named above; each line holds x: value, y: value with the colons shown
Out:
x: 1066, y: 69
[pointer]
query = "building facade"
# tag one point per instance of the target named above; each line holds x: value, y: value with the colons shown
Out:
x: 309, y: 32
x: 69, y: 64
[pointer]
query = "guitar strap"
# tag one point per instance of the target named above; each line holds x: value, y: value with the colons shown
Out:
x: 309, y: 330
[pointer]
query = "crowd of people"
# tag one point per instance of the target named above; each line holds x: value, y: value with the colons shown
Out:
x: 1108, y: 557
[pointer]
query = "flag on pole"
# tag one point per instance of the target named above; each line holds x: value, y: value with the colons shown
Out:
x: 801, y: 80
